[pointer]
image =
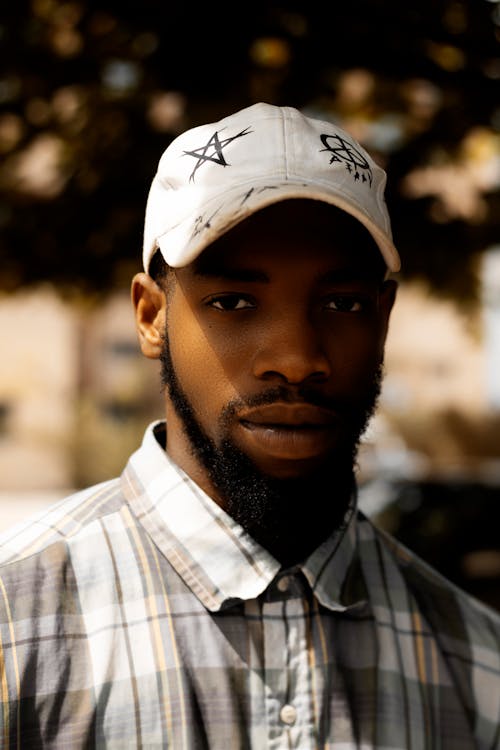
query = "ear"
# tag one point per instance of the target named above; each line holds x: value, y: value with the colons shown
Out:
x: 149, y: 302
x: 387, y: 299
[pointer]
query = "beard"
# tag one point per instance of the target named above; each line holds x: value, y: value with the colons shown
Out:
x: 291, y: 516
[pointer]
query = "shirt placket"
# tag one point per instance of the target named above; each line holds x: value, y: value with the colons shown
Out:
x: 288, y: 698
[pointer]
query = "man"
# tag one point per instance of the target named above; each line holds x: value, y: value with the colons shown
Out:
x: 225, y: 591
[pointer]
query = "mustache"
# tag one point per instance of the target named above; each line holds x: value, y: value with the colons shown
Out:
x: 284, y: 394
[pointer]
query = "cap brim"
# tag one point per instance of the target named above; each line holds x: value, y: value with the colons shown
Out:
x: 183, y: 243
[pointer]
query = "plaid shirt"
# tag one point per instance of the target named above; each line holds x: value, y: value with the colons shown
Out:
x: 137, y: 614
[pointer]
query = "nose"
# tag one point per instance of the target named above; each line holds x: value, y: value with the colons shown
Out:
x: 291, y: 351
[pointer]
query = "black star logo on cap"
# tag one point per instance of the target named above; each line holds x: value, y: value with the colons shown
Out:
x: 213, y: 151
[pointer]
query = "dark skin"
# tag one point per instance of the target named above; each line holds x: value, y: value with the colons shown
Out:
x: 275, y: 337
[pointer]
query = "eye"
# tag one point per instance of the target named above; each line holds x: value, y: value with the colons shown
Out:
x: 230, y: 302
x: 345, y: 304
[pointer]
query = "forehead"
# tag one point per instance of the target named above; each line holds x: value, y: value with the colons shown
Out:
x: 295, y: 231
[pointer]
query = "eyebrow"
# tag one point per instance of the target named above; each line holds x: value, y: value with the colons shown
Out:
x: 216, y: 271
x: 334, y: 276
x: 348, y: 274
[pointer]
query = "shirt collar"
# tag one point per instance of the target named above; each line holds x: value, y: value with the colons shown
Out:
x: 212, y: 553
x: 333, y: 569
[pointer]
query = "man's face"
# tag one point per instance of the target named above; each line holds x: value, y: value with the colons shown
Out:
x: 272, y: 356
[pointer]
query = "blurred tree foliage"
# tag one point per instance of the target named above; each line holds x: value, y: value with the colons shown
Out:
x: 92, y: 92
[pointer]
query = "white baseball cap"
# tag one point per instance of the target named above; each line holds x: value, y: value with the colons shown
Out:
x: 213, y: 176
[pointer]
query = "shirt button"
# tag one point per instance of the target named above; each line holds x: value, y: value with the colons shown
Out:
x: 283, y: 583
x: 288, y: 714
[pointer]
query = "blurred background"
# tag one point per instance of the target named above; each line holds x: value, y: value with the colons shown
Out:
x: 91, y: 93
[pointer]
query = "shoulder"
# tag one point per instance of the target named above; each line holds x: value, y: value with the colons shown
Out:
x: 438, y: 624
x: 447, y: 607
x: 48, y: 561
x: 60, y: 522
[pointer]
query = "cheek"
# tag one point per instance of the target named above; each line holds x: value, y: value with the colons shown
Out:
x: 355, y: 353
x: 208, y: 367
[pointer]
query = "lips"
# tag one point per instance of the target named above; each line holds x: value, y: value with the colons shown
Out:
x: 284, y: 416
x: 278, y: 436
